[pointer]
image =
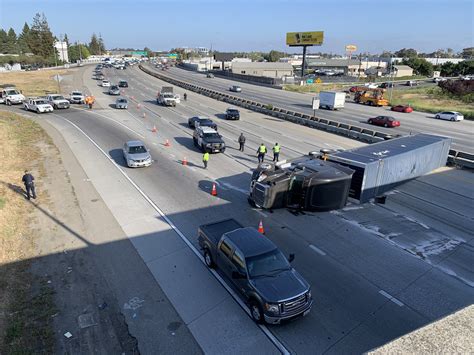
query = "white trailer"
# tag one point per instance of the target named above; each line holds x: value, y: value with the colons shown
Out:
x: 332, y: 100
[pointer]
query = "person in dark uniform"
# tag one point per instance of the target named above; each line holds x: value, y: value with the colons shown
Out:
x: 241, y: 142
x: 28, y: 180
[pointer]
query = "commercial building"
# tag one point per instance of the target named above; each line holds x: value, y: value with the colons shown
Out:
x: 352, y: 67
x: 270, y: 70
x: 61, y: 49
x: 402, y: 70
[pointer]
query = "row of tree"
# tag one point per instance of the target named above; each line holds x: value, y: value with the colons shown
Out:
x: 466, y: 53
x: 38, y: 40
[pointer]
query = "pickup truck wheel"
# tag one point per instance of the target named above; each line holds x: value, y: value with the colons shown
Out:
x: 208, y: 259
x: 37, y: 110
x: 257, y: 312
x: 9, y: 103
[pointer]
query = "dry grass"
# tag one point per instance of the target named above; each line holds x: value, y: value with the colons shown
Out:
x: 429, y: 100
x: 314, y: 88
x: 32, y: 83
x: 23, y: 328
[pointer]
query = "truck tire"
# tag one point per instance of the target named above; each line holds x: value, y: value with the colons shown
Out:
x: 208, y: 259
x: 256, y: 312
x: 38, y: 111
x: 9, y: 103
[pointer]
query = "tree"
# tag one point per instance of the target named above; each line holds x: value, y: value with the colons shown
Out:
x: 23, y: 46
x: 419, y: 65
x: 94, y: 45
x: 406, y: 53
x: 274, y: 56
x: 468, y: 53
x: 75, y: 55
x: 41, y: 39
x: 12, y: 43
x: 3, y: 41
x: 386, y: 54
x: 148, y: 51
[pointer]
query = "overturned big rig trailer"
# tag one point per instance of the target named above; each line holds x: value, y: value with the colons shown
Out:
x: 324, y: 181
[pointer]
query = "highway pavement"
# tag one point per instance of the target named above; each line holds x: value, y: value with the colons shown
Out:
x: 377, y: 271
x: 354, y: 114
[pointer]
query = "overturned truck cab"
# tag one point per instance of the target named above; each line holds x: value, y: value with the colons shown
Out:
x: 306, y: 183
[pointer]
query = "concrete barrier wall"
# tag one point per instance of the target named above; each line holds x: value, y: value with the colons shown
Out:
x: 460, y: 159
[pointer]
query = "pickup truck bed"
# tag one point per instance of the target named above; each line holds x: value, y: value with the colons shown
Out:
x: 214, y: 231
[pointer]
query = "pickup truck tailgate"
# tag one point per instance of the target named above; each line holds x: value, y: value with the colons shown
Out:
x: 214, y: 231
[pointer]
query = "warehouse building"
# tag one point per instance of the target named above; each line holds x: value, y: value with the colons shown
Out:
x: 402, y: 70
x: 270, y: 70
x: 352, y: 67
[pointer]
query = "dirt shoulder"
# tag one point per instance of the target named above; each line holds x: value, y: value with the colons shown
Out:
x: 51, y: 282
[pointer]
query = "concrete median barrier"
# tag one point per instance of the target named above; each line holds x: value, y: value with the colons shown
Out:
x: 460, y: 159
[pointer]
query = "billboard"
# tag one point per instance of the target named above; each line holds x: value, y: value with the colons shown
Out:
x: 351, y: 48
x: 304, y: 38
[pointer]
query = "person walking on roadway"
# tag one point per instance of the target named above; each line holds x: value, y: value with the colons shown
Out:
x: 276, y: 152
x: 89, y: 101
x: 205, y: 159
x: 185, y: 96
x: 261, y: 152
x: 28, y: 180
x: 241, y: 142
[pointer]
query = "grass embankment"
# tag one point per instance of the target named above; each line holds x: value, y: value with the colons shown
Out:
x: 32, y: 83
x: 26, y: 302
x: 434, y: 100
x: 314, y: 88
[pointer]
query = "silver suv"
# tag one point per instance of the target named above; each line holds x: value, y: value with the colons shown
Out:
x: 136, y: 155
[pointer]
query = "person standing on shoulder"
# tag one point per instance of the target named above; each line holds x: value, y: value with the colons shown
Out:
x: 205, y: 159
x: 276, y: 152
x: 241, y: 142
x: 261, y: 152
x: 28, y: 180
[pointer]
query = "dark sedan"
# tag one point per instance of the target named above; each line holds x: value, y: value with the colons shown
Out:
x: 385, y: 121
x: 197, y: 121
x: 232, y: 114
x: 123, y: 84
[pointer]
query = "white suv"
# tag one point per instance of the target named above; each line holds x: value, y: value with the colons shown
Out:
x: 11, y: 96
x: 37, y: 105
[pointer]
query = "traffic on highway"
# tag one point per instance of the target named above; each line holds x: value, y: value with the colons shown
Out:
x: 225, y: 203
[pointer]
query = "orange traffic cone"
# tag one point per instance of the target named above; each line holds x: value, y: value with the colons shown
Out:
x: 214, y: 190
x: 167, y: 143
x: 260, y: 228
x: 154, y: 129
x: 184, y: 161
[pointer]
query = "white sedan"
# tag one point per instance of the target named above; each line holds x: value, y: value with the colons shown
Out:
x: 105, y: 83
x: 449, y: 115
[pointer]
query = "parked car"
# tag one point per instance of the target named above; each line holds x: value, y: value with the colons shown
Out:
x: 449, y: 115
x: 386, y: 85
x: 57, y: 101
x: 411, y: 83
x: 402, y: 108
x: 385, y: 121
x: 198, y: 121
x: 121, y: 103
x: 114, y: 90
x: 37, y: 105
x: 136, y: 155
x: 232, y: 114
x: 99, y: 77
x: 269, y: 285
x: 235, y: 88
x: 371, y: 85
x: 208, y: 140
x: 123, y: 84
x: 209, y: 75
x: 105, y: 83
x: 76, y: 97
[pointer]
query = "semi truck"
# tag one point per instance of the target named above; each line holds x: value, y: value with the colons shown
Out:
x: 270, y: 286
x: 332, y: 100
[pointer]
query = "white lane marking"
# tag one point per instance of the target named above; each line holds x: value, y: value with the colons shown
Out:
x: 232, y: 187
x: 391, y: 298
x: 111, y: 119
x: 317, y: 250
x: 260, y: 212
x: 264, y: 328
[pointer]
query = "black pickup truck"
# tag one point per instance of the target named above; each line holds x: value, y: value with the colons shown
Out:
x: 273, y: 290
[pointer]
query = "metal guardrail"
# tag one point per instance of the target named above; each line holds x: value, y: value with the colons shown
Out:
x: 456, y: 158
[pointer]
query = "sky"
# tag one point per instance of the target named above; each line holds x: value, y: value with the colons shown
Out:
x: 254, y: 25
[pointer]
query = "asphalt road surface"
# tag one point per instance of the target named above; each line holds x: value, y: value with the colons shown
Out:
x: 377, y: 271
x: 355, y: 114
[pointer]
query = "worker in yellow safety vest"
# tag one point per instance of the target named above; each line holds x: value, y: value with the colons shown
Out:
x: 276, y: 152
x: 261, y: 153
x: 205, y: 159
x: 89, y: 101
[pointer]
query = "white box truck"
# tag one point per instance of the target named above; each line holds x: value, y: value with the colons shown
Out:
x: 332, y: 100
